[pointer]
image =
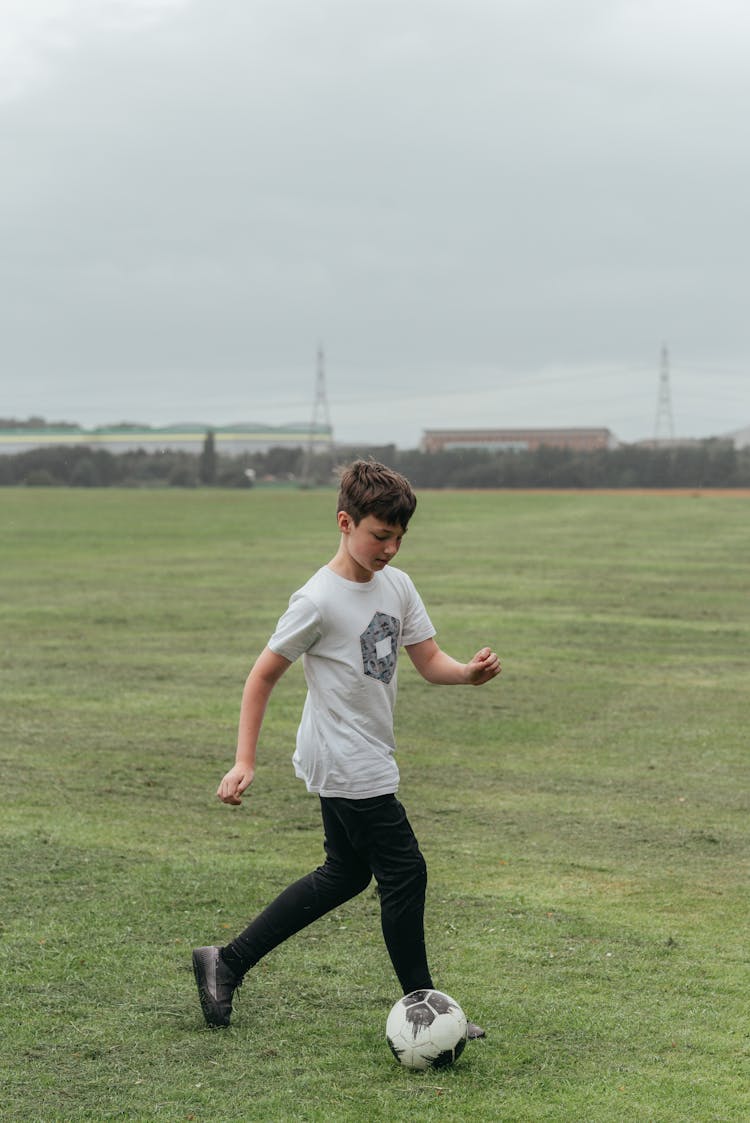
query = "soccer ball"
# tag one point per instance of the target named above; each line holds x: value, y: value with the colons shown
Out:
x: 426, y: 1029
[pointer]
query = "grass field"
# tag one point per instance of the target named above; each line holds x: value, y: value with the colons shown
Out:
x: 584, y: 818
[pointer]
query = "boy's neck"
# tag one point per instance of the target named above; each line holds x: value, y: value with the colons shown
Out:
x: 344, y: 565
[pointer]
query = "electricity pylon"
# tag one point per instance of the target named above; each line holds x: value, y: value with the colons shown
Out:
x: 320, y: 433
x: 664, y: 404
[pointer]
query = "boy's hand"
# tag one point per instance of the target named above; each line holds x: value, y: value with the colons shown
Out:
x: 235, y: 783
x: 483, y: 667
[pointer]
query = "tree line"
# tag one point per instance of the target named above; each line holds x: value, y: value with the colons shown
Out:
x: 705, y: 464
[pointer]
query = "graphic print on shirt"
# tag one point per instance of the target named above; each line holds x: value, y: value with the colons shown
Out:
x: 379, y: 643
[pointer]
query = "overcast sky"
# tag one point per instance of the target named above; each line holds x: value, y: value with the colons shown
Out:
x: 489, y: 212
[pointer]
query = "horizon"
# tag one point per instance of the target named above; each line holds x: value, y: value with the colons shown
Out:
x: 38, y: 423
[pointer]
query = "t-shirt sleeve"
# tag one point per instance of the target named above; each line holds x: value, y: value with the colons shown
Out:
x: 417, y: 625
x: 297, y: 630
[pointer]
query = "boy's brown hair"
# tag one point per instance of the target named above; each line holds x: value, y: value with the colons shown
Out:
x: 370, y: 488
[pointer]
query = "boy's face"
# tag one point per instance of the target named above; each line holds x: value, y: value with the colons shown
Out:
x: 369, y: 545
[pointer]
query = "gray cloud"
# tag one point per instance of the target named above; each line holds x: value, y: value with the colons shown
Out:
x: 485, y: 211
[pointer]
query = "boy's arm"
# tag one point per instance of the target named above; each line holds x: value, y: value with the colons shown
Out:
x: 268, y: 669
x: 435, y: 666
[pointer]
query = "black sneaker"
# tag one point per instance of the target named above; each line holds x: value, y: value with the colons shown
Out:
x: 216, y: 985
x: 474, y: 1031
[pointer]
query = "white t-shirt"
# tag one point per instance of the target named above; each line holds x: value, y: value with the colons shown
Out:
x: 349, y: 634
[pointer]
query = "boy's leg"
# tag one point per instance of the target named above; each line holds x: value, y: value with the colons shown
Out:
x: 379, y: 830
x: 380, y: 833
x: 342, y: 876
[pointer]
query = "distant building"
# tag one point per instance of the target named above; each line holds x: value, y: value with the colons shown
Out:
x: 670, y: 442
x: 231, y: 440
x: 740, y: 438
x: 517, y: 440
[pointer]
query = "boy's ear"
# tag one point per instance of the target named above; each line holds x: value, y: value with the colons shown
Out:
x: 345, y: 521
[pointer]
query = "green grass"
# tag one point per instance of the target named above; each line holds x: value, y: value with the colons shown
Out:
x: 584, y: 818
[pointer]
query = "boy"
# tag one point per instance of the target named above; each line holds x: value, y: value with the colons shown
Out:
x: 347, y: 623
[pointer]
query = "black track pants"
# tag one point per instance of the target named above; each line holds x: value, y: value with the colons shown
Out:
x: 363, y: 838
